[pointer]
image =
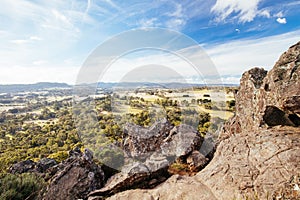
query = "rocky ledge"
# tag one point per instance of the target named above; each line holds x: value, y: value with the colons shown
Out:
x: 71, y: 179
x: 150, y: 152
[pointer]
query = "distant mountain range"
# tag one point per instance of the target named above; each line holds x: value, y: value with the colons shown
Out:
x: 157, y: 85
x: 13, y: 88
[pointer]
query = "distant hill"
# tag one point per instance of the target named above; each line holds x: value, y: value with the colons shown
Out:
x: 157, y: 85
x: 12, y: 88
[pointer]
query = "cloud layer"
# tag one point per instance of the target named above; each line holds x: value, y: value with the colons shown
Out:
x: 40, y: 38
x: 245, y: 10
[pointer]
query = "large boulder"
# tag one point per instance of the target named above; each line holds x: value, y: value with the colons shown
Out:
x: 253, y: 163
x: 137, y: 175
x: 181, y: 141
x: 23, y: 167
x: 259, y: 90
x: 176, y: 187
x: 150, y: 153
x: 141, y: 142
x: 28, y: 166
x: 74, y: 178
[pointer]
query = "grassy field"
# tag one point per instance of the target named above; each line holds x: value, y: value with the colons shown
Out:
x: 218, y: 98
x: 8, y: 107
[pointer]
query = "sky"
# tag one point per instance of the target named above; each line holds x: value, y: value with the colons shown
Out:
x: 49, y: 41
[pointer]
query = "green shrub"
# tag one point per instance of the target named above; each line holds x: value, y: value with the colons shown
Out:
x: 110, y: 157
x: 20, y: 187
x: 59, y: 156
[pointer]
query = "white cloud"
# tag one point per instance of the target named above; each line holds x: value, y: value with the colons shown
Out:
x: 233, y: 58
x: 24, y: 74
x: 58, y: 18
x: 175, y: 24
x: 231, y: 79
x: 26, y: 41
x: 148, y: 22
x: 178, y: 13
x: 265, y: 13
x: 177, y: 18
x: 39, y: 62
x: 246, y: 10
x: 157, y: 67
x: 60, y: 22
x: 279, y: 14
x: 19, y: 42
x: 35, y: 38
x: 3, y: 33
x: 112, y: 4
x: 281, y: 20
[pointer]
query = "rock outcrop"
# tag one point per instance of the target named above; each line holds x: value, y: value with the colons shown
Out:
x: 181, y: 141
x: 74, y: 178
x: 244, y: 165
x: 259, y: 150
x: 71, y: 179
x: 150, y: 152
x: 278, y: 89
x: 141, y: 142
x: 137, y: 175
x: 28, y: 166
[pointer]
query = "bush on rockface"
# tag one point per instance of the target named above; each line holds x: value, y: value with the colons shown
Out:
x: 20, y: 186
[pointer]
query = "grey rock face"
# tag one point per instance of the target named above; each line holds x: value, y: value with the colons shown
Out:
x: 181, y: 141
x: 246, y: 164
x: 74, y: 178
x: 22, y: 167
x: 141, y: 142
x: 34, y: 167
x: 165, y: 143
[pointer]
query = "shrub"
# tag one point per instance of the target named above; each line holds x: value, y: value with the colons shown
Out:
x: 19, y: 187
x: 110, y: 157
x: 59, y: 156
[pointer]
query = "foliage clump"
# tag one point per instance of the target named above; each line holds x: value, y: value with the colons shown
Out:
x: 20, y: 186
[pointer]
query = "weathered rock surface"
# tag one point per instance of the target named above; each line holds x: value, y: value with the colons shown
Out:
x: 141, y: 142
x: 260, y: 162
x: 74, y: 178
x: 137, y: 175
x: 34, y: 167
x: 160, y: 139
x: 176, y: 187
x: 257, y: 162
x: 162, y: 146
x: 181, y: 141
x: 258, y: 90
x: 257, y: 155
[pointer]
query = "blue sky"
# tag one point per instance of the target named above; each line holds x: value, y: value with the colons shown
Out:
x: 50, y: 40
